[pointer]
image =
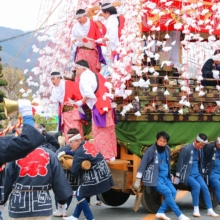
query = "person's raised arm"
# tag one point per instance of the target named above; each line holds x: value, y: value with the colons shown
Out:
x: 13, y: 148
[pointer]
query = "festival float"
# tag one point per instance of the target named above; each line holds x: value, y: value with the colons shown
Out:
x: 156, y: 83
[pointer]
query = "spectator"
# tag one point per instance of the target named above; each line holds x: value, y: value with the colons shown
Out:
x: 49, y: 138
x: 211, y: 69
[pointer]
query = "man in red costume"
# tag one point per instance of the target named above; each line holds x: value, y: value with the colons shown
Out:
x: 64, y: 90
x: 84, y: 34
x: 96, y: 95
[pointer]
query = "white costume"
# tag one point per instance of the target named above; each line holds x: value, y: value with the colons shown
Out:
x: 103, y: 124
x: 112, y: 31
x: 87, y: 87
x: 80, y: 30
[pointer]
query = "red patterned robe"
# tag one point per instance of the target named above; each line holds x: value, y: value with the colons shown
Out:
x: 91, y: 55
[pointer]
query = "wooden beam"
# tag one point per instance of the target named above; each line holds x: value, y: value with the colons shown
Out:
x: 92, y: 11
x: 196, y: 1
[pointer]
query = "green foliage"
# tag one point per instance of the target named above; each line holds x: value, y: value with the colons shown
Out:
x: 2, y: 95
x: 47, y: 121
x: 3, y: 82
x: 1, y: 108
x: 13, y: 76
x: 2, y: 117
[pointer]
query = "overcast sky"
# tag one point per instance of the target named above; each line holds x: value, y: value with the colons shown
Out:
x: 22, y: 14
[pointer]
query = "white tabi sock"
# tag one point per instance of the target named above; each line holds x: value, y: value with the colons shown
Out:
x: 183, y: 217
x: 70, y: 218
x: 212, y: 213
x: 162, y: 216
x: 196, y: 211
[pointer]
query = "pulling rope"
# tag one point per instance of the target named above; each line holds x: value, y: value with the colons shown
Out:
x: 33, y: 35
x: 18, y: 125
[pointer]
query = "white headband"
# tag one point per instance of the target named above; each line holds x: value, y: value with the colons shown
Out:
x: 107, y: 6
x: 200, y: 140
x: 76, y: 137
x: 80, y: 15
x: 55, y: 76
x: 218, y: 139
x: 79, y: 66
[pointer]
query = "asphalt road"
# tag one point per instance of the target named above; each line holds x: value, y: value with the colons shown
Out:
x: 125, y: 212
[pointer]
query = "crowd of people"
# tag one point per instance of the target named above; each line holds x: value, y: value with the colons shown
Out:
x: 33, y: 168
x: 197, y: 167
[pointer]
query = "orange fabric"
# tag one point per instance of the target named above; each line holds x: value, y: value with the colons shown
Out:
x: 102, y: 89
x: 71, y: 119
x: 121, y: 25
x: 94, y: 31
x: 72, y: 91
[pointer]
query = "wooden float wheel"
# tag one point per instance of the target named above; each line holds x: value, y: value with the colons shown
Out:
x: 114, y: 198
x: 213, y: 198
x: 151, y: 200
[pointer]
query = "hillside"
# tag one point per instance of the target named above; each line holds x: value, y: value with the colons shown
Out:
x: 12, y: 47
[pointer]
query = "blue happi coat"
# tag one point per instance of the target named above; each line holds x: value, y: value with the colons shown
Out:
x: 98, y: 178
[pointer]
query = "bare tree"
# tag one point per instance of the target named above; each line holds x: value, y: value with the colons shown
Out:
x: 13, y: 77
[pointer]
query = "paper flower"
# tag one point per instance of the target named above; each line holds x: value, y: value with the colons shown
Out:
x: 22, y: 90
x: 197, y: 89
x: 180, y: 111
x: 154, y: 89
x: 167, y: 36
x: 165, y: 49
x: 166, y: 77
x: 25, y: 71
x: 166, y: 93
x: 181, y: 102
x: 137, y: 113
x: 136, y: 98
x: 201, y: 93
x: 108, y: 85
x: 156, y: 74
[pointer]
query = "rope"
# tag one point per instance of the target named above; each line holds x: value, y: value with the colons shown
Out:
x: 33, y: 35
x: 13, y: 127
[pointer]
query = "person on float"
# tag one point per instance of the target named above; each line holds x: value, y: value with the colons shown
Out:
x: 63, y: 90
x: 211, y: 69
x: 114, y: 25
x: 212, y: 166
x: 189, y: 170
x: 154, y: 171
x: 90, y: 31
x: 96, y: 180
x: 93, y: 89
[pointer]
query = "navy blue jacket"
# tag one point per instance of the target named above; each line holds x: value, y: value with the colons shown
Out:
x: 29, y: 180
x: 13, y: 148
x: 207, y: 73
x: 184, y: 163
x: 98, y: 178
x: 149, y: 166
